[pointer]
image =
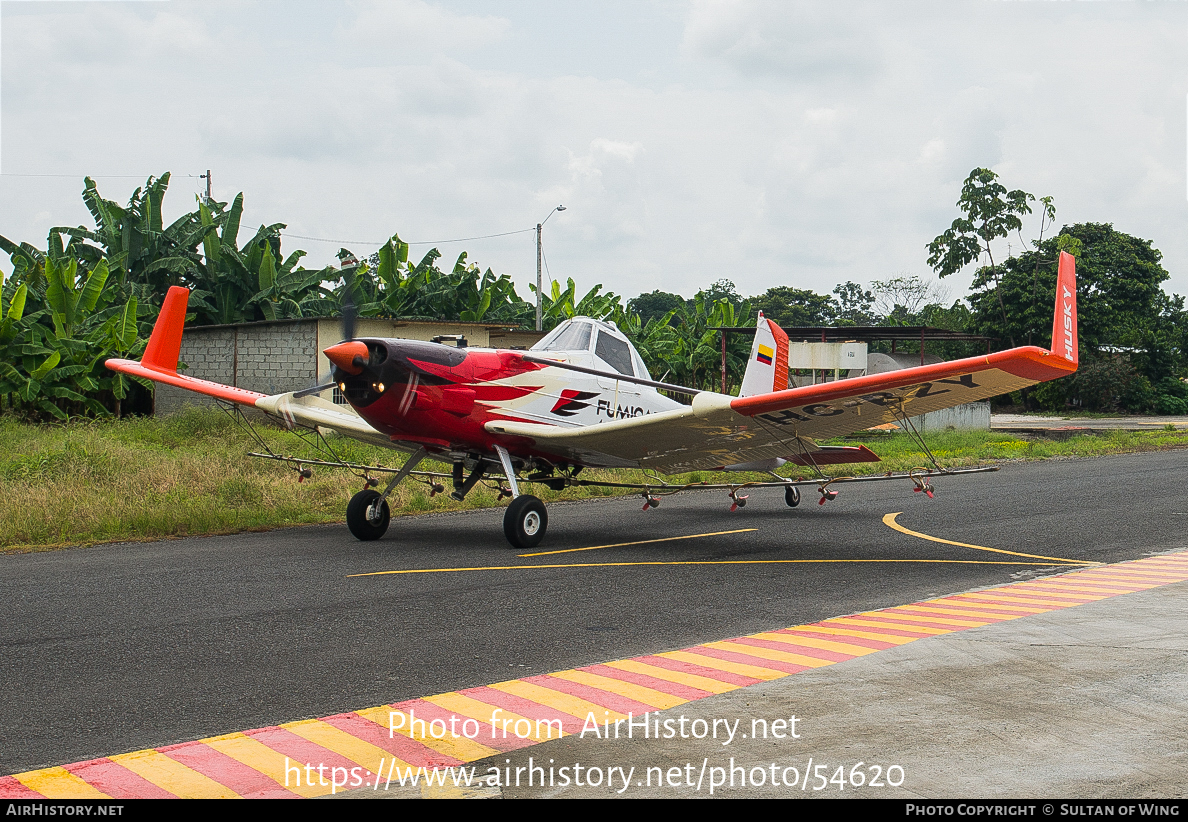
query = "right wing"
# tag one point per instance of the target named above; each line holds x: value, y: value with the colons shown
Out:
x: 718, y: 430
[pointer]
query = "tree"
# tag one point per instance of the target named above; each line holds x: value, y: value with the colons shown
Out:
x: 853, y: 305
x: 1131, y: 332
x: 654, y: 305
x: 794, y: 307
x: 903, y: 298
x: 722, y: 290
x: 51, y: 359
x: 134, y: 240
x: 991, y: 213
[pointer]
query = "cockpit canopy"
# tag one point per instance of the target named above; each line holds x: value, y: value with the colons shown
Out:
x: 608, y: 345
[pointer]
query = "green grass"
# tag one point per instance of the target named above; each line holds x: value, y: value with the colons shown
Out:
x: 150, y: 478
x: 956, y: 449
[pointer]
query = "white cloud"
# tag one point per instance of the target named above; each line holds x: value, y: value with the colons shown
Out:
x: 801, y: 144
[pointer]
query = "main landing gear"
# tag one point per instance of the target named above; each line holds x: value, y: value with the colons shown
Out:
x: 367, y: 513
x: 525, y: 521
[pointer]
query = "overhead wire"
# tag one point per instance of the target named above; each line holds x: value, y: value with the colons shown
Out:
x: 418, y: 242
x: 95, y: 176
x: 287, y: 233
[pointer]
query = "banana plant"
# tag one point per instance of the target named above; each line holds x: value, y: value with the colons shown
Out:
x: 133, y: 238
x: 558, y: 306
x: 53, y: 357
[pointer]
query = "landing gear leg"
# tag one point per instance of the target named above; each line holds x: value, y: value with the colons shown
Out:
x: 460, y: 491
x: 525, y: 521
x: 367, y: 513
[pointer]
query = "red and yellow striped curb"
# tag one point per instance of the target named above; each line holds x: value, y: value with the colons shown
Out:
x: 253, y: 763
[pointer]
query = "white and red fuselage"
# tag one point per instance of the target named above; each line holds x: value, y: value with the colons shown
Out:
x: 442, y: 397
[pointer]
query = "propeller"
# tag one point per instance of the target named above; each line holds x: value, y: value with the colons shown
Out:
x: 348, y: 313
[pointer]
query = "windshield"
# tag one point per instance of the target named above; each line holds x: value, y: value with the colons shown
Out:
x: 571, y: 336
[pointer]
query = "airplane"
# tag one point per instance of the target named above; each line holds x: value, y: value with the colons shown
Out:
x: 583, y: 398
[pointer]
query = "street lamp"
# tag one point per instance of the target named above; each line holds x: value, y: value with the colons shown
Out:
x: 539, y: 226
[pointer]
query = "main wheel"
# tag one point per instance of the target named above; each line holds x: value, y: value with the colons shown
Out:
x: 525, y: 522
x: 792, y: 496
x: 367, y: 515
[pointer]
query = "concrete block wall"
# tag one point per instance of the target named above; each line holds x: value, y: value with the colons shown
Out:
x: 973, y: 416
x: 269, y: 358
x: 287, y: 356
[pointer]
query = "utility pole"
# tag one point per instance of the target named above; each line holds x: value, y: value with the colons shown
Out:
x: 207, y: 177
x: 540, y: 226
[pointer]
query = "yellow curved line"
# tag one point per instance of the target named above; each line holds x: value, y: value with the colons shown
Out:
x: 703, y: 562
x: 889, y: 521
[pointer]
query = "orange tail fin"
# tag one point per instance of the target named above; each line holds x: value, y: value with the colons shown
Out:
x: 1064, y: 325
x: 165, y: 343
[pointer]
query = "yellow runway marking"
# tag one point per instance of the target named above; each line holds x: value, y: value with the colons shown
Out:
x: 712, y: 662
x: 703, y: 562
x: 640, y: 693
x: 173, y: 776
x: 889, y: 521
x: 638, y: 542
x: 575, y: 706
x: 890, y: 639
x: 819, y: 644
x: 258, y: 756
x: 359, y: 751
x: 462, y: 749
x: 704, y: 683
x: 59, y: 783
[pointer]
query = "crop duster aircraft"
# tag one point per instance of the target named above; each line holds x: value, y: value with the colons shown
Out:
x: 582, y: 398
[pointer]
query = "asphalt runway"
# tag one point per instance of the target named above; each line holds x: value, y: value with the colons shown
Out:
x: 115, y: 648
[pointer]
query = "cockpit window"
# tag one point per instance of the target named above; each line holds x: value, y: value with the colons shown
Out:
x: 615, y: 353
x: 573, y: 336
x: 641, y: 370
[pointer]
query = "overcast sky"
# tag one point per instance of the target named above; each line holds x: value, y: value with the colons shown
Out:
x: 771, y: 143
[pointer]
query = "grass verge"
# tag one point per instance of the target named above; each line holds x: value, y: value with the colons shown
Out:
x: 184, y: 475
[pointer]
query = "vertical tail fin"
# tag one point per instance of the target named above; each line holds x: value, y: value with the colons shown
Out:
x: 165, y: 343
x: 767, y: 368
x: 1064, y: 325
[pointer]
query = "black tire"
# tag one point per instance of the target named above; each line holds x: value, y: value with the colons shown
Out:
x: 792, y: 496
x: 525, y: 522
x: 356, y: 515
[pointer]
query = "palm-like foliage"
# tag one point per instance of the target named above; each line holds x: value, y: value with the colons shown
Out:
x: 390, y: 286
x: 55, y: 368
x: 235, y: 284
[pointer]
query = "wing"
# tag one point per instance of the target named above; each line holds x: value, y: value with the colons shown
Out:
x: 159, y: 364
x: 718, y: 430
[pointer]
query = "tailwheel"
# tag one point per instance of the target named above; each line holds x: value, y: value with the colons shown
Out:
x: 525, y: 521
x: 367, y: 515
x: 792, y: 496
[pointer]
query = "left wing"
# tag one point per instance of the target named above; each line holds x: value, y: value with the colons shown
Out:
x: 718, y: 430
x: 159, y: 363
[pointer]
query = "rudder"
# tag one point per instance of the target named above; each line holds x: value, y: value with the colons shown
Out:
x: 164, y: 345
x: 1064, y: 324
x: 767, y: 367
